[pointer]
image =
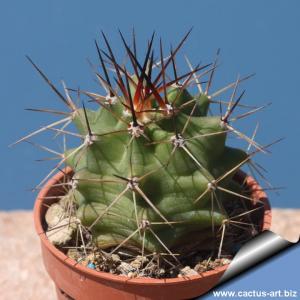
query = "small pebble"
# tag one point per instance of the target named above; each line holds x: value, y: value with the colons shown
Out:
x: 91, y: 266
x: 115, y: 258
x: 73, y: 253
x: 187, y: 271
x: 54, y: 215
x: 132, y: 274
x: 138, y: 262
x: 62, y: 232
x: 125, y: 268
x: 226, y: 261
x: 161, y: 271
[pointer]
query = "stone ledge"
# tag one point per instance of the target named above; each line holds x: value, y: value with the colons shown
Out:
x: 22, y: 274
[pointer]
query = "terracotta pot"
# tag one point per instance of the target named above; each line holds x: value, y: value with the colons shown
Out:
x: 74, y: 281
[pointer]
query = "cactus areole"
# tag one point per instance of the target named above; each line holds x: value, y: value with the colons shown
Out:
x: 153, y: 172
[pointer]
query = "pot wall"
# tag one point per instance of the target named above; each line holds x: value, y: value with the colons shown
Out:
x: 74, y: 281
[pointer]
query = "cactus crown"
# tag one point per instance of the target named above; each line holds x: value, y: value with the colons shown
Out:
x: 153, y: 173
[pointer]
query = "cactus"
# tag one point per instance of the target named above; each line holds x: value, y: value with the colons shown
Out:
x: 152, y: 172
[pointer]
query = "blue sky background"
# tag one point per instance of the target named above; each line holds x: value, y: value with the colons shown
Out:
x: 254, y: 36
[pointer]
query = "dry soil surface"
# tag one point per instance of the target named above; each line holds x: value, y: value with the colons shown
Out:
x: 22, y: 275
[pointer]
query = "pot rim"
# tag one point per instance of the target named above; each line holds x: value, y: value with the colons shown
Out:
x: 77, y: 267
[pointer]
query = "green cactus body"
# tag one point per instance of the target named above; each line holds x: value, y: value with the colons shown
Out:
x: 164, y: 178
x: 153, y: 169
